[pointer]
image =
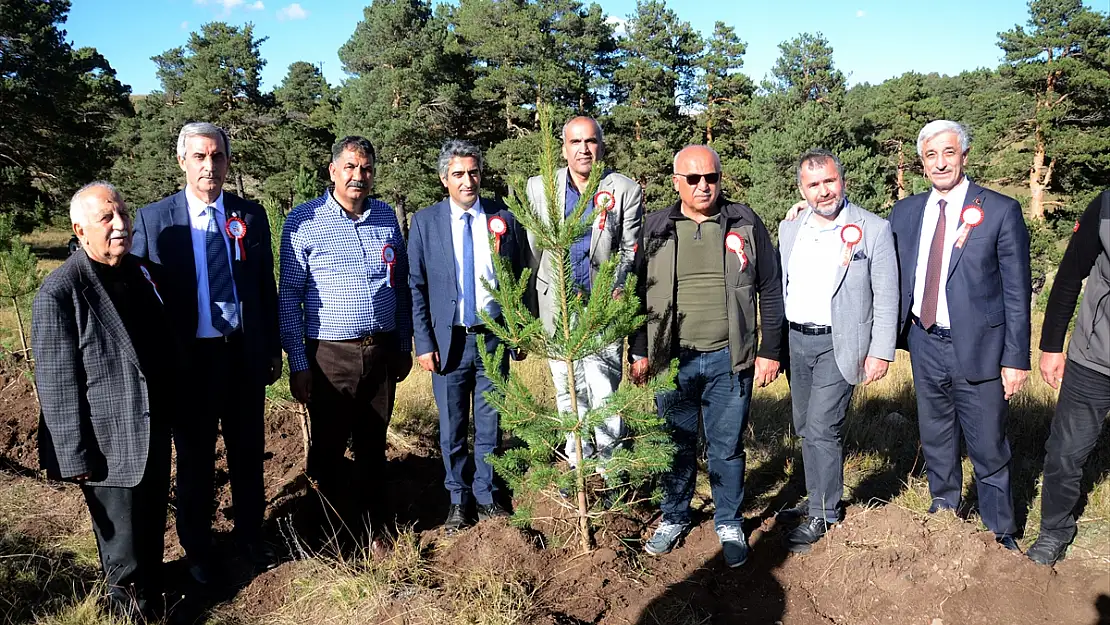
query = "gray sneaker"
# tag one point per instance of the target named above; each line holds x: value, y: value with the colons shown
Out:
x: 666, y: 536
x: 734, y: 545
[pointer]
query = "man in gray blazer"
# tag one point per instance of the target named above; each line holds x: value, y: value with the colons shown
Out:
x: 104, y: 353
x: 615, y: 232
x: 840, y: 279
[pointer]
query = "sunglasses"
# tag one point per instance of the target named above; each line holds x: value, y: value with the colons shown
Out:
x: 695, y: 179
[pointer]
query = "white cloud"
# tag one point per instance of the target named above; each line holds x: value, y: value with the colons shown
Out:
x: 620, y: 26
x: 227, y: 5
x: 292, y: 12
x: 861, y: 13
x: 184, y: 25
x: 257, y: 6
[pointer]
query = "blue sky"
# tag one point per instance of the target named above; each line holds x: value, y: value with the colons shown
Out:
x: 872, y: 40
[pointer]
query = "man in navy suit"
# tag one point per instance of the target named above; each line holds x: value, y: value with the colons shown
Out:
x: 963, y: 252
x: 450, y: 251
x: 214, y: 251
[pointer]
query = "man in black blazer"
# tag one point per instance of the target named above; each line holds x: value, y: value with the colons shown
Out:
x: 963, y: 252
x: 214, y: 249
x: 451, y: 246
x: 104, y: 354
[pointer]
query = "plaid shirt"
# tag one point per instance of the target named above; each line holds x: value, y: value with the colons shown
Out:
x: 335, y: 284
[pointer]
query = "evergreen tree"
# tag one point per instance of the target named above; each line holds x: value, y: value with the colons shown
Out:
x: 1063, y: 64
x: 297, y: 137
x: 898, y: 109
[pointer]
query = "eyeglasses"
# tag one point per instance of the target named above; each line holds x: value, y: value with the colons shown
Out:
x: 695, y: 179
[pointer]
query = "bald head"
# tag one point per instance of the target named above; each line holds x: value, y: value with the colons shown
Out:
x: 697, y: 178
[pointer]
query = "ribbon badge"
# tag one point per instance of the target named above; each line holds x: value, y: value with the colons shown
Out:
x: 735, y: 244
x: 971, y: 216
x: 389, y: 257
x: 237, y: 229
x: 851, y: 235
x: 497, y: 228
x: 604, y: 201
x: 146, y: 274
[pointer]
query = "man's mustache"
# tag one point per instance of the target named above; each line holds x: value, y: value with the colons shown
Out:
x: 356, y: 184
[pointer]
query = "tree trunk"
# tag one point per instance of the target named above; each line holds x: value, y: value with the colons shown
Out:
x: 23, y: 341
x: 399, y: 210
x: 1038, y: 177
x: 900, y: 176
x: 239, y: 185
x: 584, y: 541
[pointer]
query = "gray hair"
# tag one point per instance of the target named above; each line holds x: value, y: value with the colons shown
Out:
x: 458, y: 148
x: 716, y: 157
x: 819, y: 157
x: 939, y: 127
x: 600, y: 132
x: 77, y: 210
x: 202, y: 129
x: 354, y: 143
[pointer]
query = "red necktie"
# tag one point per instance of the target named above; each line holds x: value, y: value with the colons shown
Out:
x: 932, y: 273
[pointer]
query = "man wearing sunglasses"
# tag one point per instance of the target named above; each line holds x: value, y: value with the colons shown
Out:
x: 707, y: 266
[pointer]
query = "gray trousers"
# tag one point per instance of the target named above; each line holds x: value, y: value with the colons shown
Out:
x: 820, y: 397
x: 596, y: 378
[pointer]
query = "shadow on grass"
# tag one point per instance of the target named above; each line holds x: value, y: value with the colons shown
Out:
x: 37, y: 578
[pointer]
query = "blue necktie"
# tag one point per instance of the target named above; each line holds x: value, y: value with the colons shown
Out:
x: 470, y: 315
x: 221, y: 292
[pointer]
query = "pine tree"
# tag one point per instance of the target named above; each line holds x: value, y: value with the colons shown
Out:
x: 19, y: 275
x: 582, y: 327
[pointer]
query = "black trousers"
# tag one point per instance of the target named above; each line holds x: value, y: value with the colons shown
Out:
x: 222, y: 400
x: 130, y: 528
x: 1080, y: 412
x: 353, y: 391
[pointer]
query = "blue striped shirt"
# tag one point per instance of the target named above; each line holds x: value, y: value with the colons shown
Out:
x: 334, y: 279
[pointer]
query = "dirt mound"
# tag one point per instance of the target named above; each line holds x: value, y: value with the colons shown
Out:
x: 19, y: 419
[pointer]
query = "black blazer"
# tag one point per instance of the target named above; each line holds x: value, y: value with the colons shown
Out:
x: 95, y: 402
x: 162, y: 236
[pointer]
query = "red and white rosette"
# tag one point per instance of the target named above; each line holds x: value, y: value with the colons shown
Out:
x: 735, y: 244
x: 851, y: 235
x: 237, y: 230
x: 497, y: 228
x: 146, y: 274
x: 389, y: 257
x: 604, y: 201
x: 970, y: 216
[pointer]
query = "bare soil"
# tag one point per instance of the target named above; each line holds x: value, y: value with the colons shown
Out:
x: 881, y: 565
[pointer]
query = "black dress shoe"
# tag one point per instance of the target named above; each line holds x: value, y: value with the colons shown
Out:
x: 260, y: 555
x: 456, y: 519
x: 1048, y: 549
x: 487, y: 511
x: 801, y: 538
x: 1008, y: 542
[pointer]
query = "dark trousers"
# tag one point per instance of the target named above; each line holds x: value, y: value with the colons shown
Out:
x: 948, y: 406
x: 457, y: 389
x: 130, y: 529
x: 1080, y: 412
x: 353, y: 391
x: 707, y: 386
x: 820, y: 397
x: 224, y: 401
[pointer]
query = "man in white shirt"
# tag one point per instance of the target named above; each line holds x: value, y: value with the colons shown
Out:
x: 840, y: 277
x: 449, y: 254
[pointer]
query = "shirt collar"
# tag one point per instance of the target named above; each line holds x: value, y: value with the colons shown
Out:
x: 197, y: 207
x: 334, y: 205
x: 457, y: 211
x: 958, y: 191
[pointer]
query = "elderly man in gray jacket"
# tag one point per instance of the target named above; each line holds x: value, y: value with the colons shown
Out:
x: 840, y: 279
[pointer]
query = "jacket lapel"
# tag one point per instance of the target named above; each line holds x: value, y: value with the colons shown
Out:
x: 913, y: 241
x: 974, y: 195
x: 442, y: 226
x: 788, y: 234
x: 561, y: 191
x: 605, y: 185
x: 101, y: 306
x: 851, y: 216
x: 179, y: 217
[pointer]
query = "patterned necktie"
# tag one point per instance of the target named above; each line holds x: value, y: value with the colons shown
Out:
x: 221, y: 292
x: 932, y: 272
x: 470, y: 315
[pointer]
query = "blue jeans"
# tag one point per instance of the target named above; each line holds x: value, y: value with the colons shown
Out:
x: 707, y: 386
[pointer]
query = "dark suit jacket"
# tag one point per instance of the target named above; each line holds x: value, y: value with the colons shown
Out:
x: 988, y: 287
x: 432, y: 278
x: 95, y: 402
x: 162, y: 236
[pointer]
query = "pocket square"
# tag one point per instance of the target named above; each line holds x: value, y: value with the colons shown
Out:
x: 860, y: 255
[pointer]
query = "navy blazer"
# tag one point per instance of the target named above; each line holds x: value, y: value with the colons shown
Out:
x: 988, y: 288
x: 435, y: 293
x: 163, y: 237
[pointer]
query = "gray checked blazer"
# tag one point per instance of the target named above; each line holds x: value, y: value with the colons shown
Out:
x: 865, y: 303
x: 620, y: 235
x: 95, y: 415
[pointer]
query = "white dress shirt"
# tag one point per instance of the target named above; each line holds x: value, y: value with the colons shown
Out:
x: 483, y: 261
x: 811, y: 274
x: 198, y: 221
x: 952, y: 210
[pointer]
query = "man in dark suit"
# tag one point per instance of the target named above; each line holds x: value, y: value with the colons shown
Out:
x: 214, y: 249
x: 963, y: 252
x: 450, y: 250
x: 103, y: 355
